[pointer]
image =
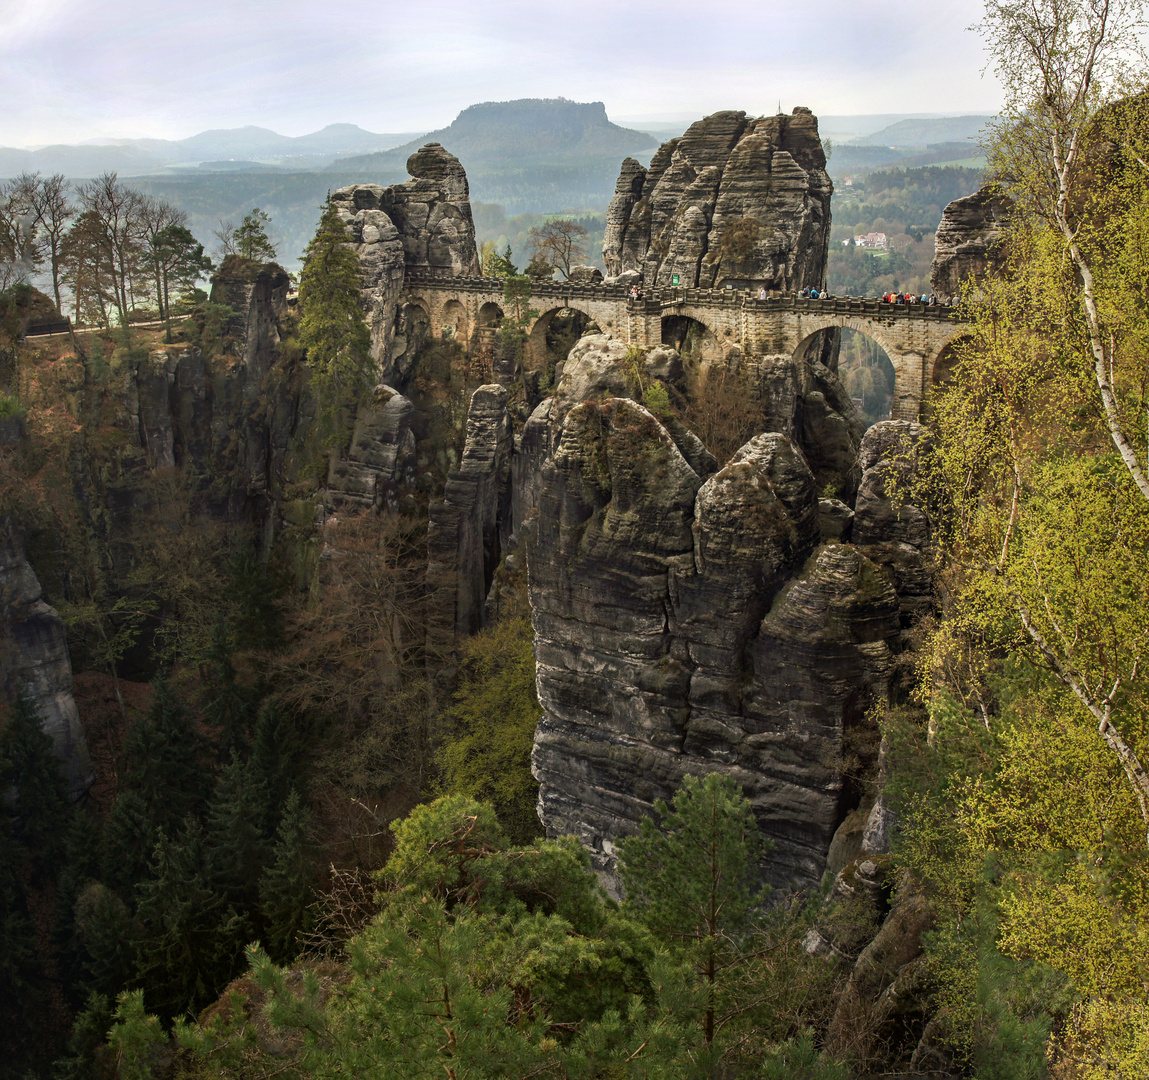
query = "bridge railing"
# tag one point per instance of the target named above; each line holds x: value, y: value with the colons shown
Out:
x: 657, y: 300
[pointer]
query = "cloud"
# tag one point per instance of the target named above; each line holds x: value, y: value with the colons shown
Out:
x: 78, y: 69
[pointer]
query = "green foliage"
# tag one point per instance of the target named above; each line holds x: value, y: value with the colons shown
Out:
x: 495, y: 265
x: 22, y: 981
x: 487, y: 752
x: 657, y: 400
x: 692, y: 879
x: 490, y: 960
x: 213, y: 320
x: 332, y: 329
x: 251, y: 239
x: 136, y: 1037
x: 30, y: 768
x: 86, y: 1056
x: 518, y: 316
x: 195, y: 938
x: 11, y: 405
x: 285, y: 887
x: 164, y: 758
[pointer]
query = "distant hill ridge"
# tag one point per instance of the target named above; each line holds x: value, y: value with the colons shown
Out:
x: 137, y: 157
x: 520, y: 132
x: 925, y: 132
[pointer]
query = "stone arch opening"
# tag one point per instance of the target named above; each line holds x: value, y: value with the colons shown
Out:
x: 490, y: 315
x: 455, y: 324
x: 413, y: 328
x: 862, y: 361
x: 867, y: 372
x: 552, y: 338
x: 694, y: 340
x: 942, y: 369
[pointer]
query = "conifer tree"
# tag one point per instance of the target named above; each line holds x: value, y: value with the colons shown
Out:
x: 231, y: 706
x: 194, y: 945
x: 236, y: 847
x: 250, y: 238
x: 692, y: 879
x: 127, y: 842
x: 331, y: 325
x: 164, y: 756
x: 21, y: 974
x: 285, y: 889
x: 276, y: 759
x: 28, y: 765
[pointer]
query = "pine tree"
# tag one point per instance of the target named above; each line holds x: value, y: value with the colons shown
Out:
x: 164, y: 756
x: 331, y: 326
x: 235, y: 845
x: 44, y: 811
x: 127, y: 842
x: 285, y: 889
x: 251, y: 239
x: 692, y: 879
x: 231, y: 706
x: 22, y: 999
x: 255, y: 591
x: 276, y: 761
x: 195, y: 939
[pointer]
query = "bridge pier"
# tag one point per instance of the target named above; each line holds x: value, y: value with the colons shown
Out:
x: 909, y: 386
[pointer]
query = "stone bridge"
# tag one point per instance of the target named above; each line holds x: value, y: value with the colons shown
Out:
x: 705, y: 322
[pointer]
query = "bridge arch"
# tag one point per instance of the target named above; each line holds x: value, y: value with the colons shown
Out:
x: 912, y: 352
x: 694, y: 340
x: 541, y: 340
x: 454, y: 322
x: 490, y: 315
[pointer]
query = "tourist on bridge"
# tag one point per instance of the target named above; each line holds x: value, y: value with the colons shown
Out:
x: 762, y: 292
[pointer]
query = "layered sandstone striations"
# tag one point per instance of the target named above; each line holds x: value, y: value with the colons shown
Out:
x: 689, y: 621
x: 34, y: 661
x: 424, y: 224
x: 735, y: 199
x: 967, y: 241
x: 469, y: 528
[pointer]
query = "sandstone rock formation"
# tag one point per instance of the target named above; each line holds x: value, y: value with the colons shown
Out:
x: 681, y: 626
x: 469, y: 528
x: 424, y: 224
x: 965, y: 246
x: 34, y: 660
x: 806, y: 401
x: 735, y: 199
x: 889, y: 526
x: 257, y: 296
x: 380, y: 462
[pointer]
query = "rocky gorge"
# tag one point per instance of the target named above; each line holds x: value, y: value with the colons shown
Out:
x: 690, y: 615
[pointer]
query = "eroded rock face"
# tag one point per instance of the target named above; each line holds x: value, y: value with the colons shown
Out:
x: 423, y: 224
x: 734, y: 199
x: 677, y: 632
x: 470, y: 527
x: 257, y: 293
x: 966, y: 244
x: 889, y: 526
x: 380, y: 462
x: 34, y: 660
x: 596, y: 367
x: 806, y: 401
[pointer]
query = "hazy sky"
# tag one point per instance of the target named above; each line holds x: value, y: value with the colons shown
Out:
x: 79, y: 69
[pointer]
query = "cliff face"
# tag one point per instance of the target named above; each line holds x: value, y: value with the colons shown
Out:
x: 424, y: 224
x: 965, y: 246
x: 734, y: 199
x: 34, y: 659
x: 688, y: 622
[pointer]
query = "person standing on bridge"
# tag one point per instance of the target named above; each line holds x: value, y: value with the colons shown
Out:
x: 762, y: 292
